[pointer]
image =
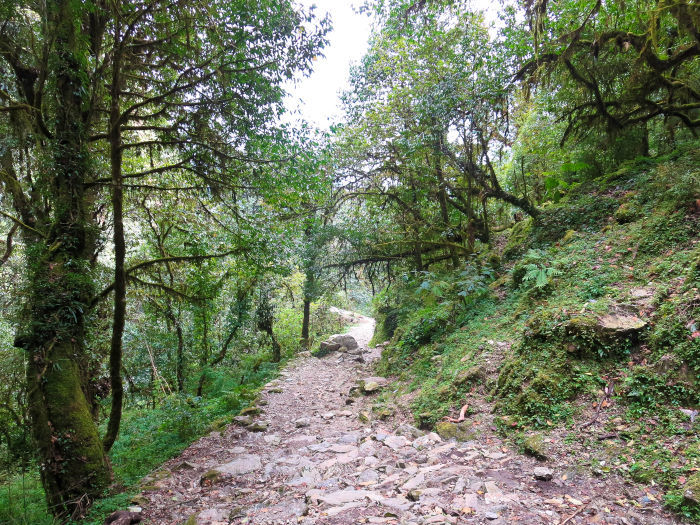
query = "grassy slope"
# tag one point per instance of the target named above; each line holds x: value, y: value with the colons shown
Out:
x: 627, y: 243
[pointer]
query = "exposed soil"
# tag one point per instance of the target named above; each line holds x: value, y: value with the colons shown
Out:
x: 317, y: 459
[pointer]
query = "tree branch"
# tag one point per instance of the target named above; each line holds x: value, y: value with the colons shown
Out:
x: 9, y: 244
x: 164, y: 260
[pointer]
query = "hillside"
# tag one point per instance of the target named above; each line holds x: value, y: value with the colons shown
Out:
x: 576, y: 337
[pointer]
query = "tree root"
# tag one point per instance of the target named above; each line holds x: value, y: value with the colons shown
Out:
x: 462, y: 416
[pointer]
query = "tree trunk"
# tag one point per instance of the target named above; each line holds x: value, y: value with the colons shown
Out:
x: 119, y: 317
x: 305, y: 323
x: 180, y: 359
x: 72, y: 462
x: 276, y: 348
x: 442, y: 199
x: 205, y: 352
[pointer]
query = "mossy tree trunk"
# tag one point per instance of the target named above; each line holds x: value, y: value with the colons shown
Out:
x: 306, y: 322
x: 73, y: 465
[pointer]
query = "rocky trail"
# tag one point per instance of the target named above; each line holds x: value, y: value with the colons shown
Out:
x: 312, y: 456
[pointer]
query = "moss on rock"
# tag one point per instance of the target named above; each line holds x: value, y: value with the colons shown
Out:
x: 534, y: 445
x: 691, y: 491
x: 458, y: 431
x: 627, y: 212
x: 210, y: 477
x: 469, y: 376
x: 517, y: 241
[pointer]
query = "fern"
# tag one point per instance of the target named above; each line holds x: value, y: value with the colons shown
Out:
x: 540, y: 275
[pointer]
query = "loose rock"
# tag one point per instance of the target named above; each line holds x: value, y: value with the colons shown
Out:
x: 543, y: 473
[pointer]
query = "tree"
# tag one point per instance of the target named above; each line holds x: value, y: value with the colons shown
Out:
x: 171, y: 91
x: 429, y: 108
x: 617, y: 65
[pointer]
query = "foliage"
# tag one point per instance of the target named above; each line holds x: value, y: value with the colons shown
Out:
x: 533, y: 271
x: 612, y: 62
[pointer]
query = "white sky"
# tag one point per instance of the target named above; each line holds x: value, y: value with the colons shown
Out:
x: 316, y: 99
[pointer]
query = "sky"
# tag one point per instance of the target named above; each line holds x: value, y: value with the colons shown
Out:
x: 316, y: 99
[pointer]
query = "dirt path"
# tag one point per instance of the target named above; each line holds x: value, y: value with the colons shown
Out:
x: 316, y: 460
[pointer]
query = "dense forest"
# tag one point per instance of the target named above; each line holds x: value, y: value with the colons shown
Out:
x: 515, y: 199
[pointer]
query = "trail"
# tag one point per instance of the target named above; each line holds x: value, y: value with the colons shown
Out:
x: 319, y: 461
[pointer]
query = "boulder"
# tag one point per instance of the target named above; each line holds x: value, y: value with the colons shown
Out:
x: 328, y: 346
x: 337, y: 343
x: 620, y: 324
x: 607, y: 334
x: 609, y: 325
x: 345, y: 340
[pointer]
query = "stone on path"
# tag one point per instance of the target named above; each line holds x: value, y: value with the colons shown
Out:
x: 543, y: 473
x: 339, y: 497
x: 346, y: 340
x: 396, y: 442
x: 242, y: 421
x: 258, y: 426
x: 414, y: 482
x: 369, y: 476
x: 242, y: 465
x: 409, y: 431
x: 272, y: 439
x: 369, y: 385
x: 426, y: 441
x: 337, y: 342
x: 302, y: 422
